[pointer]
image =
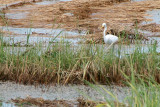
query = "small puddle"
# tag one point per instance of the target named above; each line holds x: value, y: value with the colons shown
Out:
x: 19, y: 15
x: 48, y: 2
x: 4, y: 104
x: 154, y: 15
x: 139, y: 0
x: 149, y: 33
x: 22, y: 15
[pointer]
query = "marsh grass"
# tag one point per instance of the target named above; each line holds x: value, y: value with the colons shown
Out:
x: 143, y: 87
x: 141, y: 94
x: 65, y: 63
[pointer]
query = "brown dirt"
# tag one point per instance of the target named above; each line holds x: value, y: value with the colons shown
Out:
x: 151, y: 27
x: 87, y: 15
x: 89, y: 103
x: 7, y: 2
x: 40, y: 102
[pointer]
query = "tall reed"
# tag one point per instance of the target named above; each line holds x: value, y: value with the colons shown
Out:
x: 64, y: 63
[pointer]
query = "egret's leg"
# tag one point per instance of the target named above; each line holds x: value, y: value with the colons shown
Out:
x: 113, y: 48
x: 110, y: 46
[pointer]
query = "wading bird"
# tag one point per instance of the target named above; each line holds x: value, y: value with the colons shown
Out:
x: 109, y: 38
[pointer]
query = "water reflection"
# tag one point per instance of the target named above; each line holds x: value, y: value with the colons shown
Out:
x: 38, y: 35
x: 154, y: 15
x: 47, y: 2
x: 4, y: 104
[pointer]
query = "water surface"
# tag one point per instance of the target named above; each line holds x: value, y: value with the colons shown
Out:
x: 154, y: 15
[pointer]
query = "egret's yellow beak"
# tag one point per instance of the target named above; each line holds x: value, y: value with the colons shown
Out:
x: 102, y: 26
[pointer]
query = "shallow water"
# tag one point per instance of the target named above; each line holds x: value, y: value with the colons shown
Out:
x: 38, y: 35
x: 49, y: 32
x: 149, y: 33
x: 45, y: 36
x: 139, y: 0
x: 22, y: 15
x: 47, y: 2
x: 71, y: 92
x: 19, y: 15
x: 154, y: 15
x: 122, y: 51
x: 33, y: 40
x: 4, y: 104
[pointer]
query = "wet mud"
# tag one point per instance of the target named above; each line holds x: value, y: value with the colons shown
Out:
x: 78, y: 21
x: 59, y: 93
x: 75, y: 21
x: 86, y: 16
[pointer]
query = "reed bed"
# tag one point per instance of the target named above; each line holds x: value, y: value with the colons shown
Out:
x: 64, y: 63
x: 141, y: 95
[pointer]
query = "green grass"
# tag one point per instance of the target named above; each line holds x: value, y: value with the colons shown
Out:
x: 63, y: 63
x: 140, y: 95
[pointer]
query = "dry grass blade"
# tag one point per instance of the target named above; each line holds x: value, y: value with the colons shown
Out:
x: 73, y: 69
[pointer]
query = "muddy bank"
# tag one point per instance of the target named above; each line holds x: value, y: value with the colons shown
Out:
x: 94, y: 13
x: 11, y: 90
x: 83, y: 15
x: 56, y: 15
x: 56, y: 103
x: 6, y: 2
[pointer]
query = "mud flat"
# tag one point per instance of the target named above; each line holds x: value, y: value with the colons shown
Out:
x: 10, y: 90
x: 123, y: 16
x: 35, y: 13
x: 36, y: 22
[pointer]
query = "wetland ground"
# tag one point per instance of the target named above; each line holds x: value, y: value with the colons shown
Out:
x: 51, y: 44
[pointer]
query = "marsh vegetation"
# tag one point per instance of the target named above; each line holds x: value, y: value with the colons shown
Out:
x: 88, y: 62
x: 61, y: 62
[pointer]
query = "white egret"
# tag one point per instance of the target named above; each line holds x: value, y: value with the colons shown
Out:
x: 109, y: 38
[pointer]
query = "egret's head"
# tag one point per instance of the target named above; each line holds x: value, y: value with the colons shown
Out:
x: 104, y: 25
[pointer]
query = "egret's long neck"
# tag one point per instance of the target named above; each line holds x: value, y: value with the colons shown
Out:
x: 104, y: 32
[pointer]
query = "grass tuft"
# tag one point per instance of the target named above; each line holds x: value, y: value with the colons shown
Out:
x: 64, y: 63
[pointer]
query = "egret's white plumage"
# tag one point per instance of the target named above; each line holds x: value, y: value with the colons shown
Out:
x: 109, y: 38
